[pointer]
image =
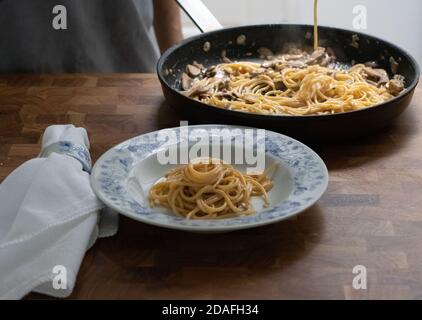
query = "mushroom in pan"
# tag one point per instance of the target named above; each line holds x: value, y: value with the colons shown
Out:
x: 186, y: 82
x: 396, y: 85
x: 378, y: 76
x: 193, y: 71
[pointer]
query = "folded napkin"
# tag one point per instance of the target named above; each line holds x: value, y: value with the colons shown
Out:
x: 49, y: 217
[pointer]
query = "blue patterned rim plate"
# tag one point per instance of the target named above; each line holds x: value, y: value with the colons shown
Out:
x: 122, y: 176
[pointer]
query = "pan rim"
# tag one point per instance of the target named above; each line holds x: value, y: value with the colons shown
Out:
x: 409, y: 90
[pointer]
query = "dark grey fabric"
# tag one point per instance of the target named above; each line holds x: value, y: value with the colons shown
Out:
x: 101, y: 36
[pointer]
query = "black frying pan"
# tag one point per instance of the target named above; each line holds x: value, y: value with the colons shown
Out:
x: 317, y: 128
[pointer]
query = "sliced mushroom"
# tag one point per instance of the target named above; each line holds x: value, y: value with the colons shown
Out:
x: 394, y: 65
x: 193, y: 71
x: 210, y: 72
x: 326, y: 60
x: 241, y: 40
x: 207, y: 46
x: 265, y: 53
x: 355, y: 41
x: 316, y: 56
x: 318, y: 53
x: 186, y: 82
x: 198, y: 65
x: 379, y: 76
x: 396, y: 85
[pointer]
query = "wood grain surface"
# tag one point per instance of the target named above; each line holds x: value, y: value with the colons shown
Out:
x: 371, y: 214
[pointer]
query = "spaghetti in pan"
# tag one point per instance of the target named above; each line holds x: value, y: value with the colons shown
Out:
x: 298, y: 82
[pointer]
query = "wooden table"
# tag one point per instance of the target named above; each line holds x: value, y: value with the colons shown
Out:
x: 371, y: 214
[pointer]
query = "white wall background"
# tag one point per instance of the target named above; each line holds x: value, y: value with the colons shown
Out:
x: 399, y: 21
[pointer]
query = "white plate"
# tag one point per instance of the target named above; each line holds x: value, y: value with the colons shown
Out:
x: 122, y: 176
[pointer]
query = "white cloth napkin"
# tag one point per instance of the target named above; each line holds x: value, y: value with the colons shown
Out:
x: 49, y: 217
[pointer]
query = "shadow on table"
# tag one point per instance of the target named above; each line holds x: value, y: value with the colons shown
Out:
x: 363, y: 150
x: 163, y: 259
x: 344, y: 154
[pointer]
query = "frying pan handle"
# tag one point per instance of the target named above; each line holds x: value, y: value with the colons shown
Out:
x: 200, y: 15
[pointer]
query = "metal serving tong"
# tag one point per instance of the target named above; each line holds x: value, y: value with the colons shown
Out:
x: 200, y: 15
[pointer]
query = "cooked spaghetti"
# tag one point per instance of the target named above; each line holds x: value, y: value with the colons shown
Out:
x: 210, y: 190
x: 296, y: 83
